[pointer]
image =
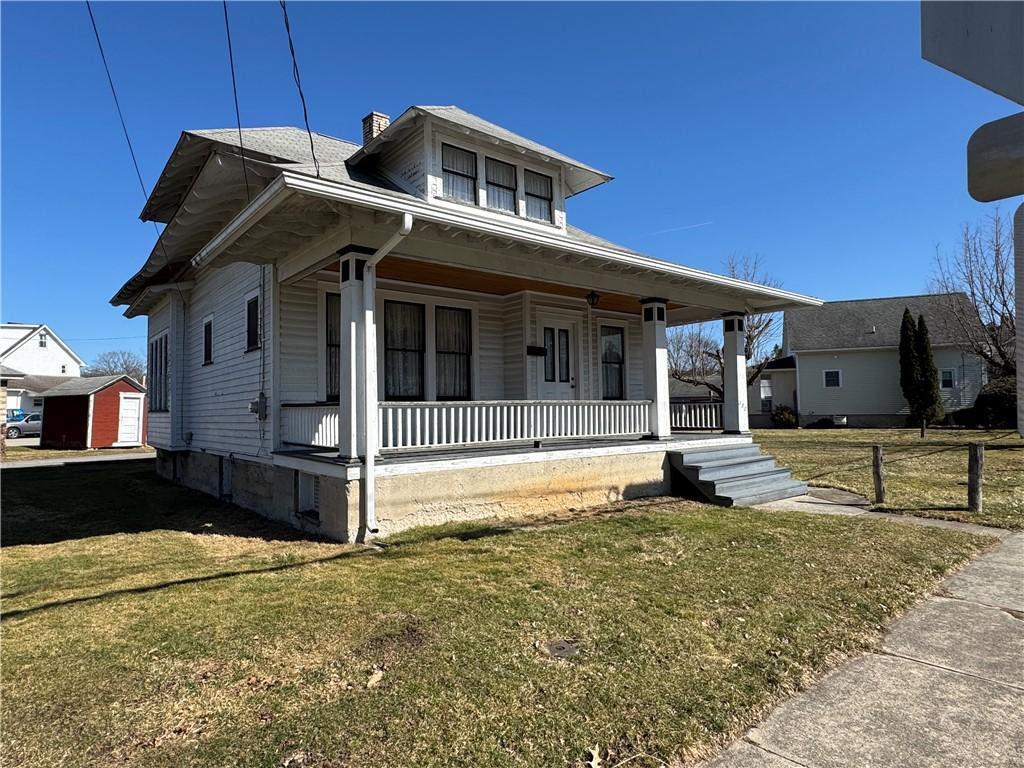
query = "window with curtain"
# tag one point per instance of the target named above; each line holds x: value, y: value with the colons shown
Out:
x: 501, y: 186
x: 404, y: 343
x: 613, y: 357
x: 549, y: 354
x: 458, y: 167
x: 332, y: 342
x: 538, y: 188
x: 453, y: 351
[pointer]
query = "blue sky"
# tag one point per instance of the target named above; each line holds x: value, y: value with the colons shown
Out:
x: 811, y: 134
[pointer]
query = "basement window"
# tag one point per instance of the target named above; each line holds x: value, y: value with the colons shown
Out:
x: 308, y: 490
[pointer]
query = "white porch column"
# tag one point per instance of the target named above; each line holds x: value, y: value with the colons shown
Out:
x: 655, y: 344
x: 350, y: 363
x: 734, y: 376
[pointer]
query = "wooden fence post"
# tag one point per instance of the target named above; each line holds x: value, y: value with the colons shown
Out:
x: 975, y: 475
x: 878, y: 471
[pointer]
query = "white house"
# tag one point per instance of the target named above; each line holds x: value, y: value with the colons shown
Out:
x: 841, y: 362
x: 361, y: 337
x: 36, y: 351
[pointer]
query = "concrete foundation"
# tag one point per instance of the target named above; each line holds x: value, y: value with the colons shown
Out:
x: 423, y: 498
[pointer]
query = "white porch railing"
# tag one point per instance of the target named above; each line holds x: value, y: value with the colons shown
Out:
x: 695, y: 415
x: 315, y: 425
x: 437, y: 424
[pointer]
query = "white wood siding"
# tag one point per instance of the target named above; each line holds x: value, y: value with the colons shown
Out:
x: 300, y: 333
x: 871, y: 381
x: 514, y: 347
x: 405, y: 164
x: 51, y: 360
x: 217, y: 396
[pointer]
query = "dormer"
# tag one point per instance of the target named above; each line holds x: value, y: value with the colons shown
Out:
x: 452, y: 158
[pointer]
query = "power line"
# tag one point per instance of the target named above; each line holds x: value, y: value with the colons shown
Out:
x: 117, y: 103
x: 298, y: 84
x: 238, y: 114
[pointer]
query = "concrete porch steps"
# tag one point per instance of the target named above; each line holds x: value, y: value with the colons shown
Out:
x: 735, y: 475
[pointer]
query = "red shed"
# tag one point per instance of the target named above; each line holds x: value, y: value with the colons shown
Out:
x: 94, y: 412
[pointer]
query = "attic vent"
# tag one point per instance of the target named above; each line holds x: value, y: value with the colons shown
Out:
x: 373, y: 124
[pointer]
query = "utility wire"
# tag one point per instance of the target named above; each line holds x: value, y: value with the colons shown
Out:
x: 298, y: 84
x: 117, y: 103
x: 238, y: 114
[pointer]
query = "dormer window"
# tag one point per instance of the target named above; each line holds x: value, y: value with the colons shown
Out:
x: 501, y: 185
x: 539, y: 194
x: 459, y: 170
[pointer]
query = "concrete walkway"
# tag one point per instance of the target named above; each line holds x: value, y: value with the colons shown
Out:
x: 945, y: 688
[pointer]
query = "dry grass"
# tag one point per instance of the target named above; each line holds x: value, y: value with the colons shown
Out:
x: 925, y: 477
x: 31, y: 452
x: 148, y: 625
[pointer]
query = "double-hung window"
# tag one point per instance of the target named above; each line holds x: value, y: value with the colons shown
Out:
x: 947, y: 378
x: 539, y: 195
x: 252, y: 324
x: 157, y: 374
x: 458, y: 167
x: 332, y: 342
x: 613, y: 358
x: 453, y: 352
x: 404, y: 348
x: 501, y: 185
x: 208, y: 342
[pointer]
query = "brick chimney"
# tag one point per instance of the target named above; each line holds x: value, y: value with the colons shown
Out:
x: 373, y: 124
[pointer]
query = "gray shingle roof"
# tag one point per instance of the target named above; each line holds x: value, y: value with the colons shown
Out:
x: 86, y: 385
x: 10, y: 373
x: 37, y: 384
x: 865, y: 323
x: 465, y: 119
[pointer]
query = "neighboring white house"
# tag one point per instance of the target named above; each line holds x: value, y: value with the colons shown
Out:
x: 409, y: 330
x: 40, y: 356
x: 841, y: 362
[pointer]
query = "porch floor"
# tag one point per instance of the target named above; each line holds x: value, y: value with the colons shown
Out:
x: 679, y: 439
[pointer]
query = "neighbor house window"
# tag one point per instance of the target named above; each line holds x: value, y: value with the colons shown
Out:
x: 42, y: 339
x: 458, y: 168
x: 63, y: 369
x: 333, y: 345
x: 766, y: 394
x: 453, y: 352
x: 539, y: 195
x: 833, y: 379
x: 208, y: 342
x: 501, y: 186
x: 252, y: 324
x: 157, y: 374
x: 404, y: 345
x: 37, y: 402
x: 613, y: 358
x: 947, y: 378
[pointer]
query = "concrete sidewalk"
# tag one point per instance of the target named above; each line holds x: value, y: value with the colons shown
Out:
x: 945, y: 689
x: 90, y: 459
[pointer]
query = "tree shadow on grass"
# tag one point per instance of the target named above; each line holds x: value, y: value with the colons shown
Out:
x: 45, y: 505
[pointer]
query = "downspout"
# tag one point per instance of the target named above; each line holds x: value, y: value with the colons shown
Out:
x: 369, y: 502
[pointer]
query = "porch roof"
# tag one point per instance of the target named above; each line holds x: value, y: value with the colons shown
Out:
x: 279, y: 222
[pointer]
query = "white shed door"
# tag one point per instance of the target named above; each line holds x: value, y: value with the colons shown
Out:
x: 129, y: 421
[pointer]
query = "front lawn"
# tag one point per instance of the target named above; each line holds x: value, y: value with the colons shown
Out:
x: 148, y: 625
x: 925, y: 477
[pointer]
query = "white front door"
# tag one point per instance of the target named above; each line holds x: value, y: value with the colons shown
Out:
x: 558, y: 372
x: 129, y: 420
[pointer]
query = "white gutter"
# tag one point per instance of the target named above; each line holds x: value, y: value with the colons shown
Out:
x: 368, y: 492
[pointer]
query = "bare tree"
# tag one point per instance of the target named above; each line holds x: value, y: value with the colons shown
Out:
x: 121, y: 362
x: 695, y: 355
x: 982, y: 268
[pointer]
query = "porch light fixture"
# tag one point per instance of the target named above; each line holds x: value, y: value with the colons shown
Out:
x: 592, y: 299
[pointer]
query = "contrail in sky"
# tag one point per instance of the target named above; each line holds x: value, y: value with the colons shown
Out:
x: 679, y: 229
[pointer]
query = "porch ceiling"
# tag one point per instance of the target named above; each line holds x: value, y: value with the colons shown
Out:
x: 409, y: 270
